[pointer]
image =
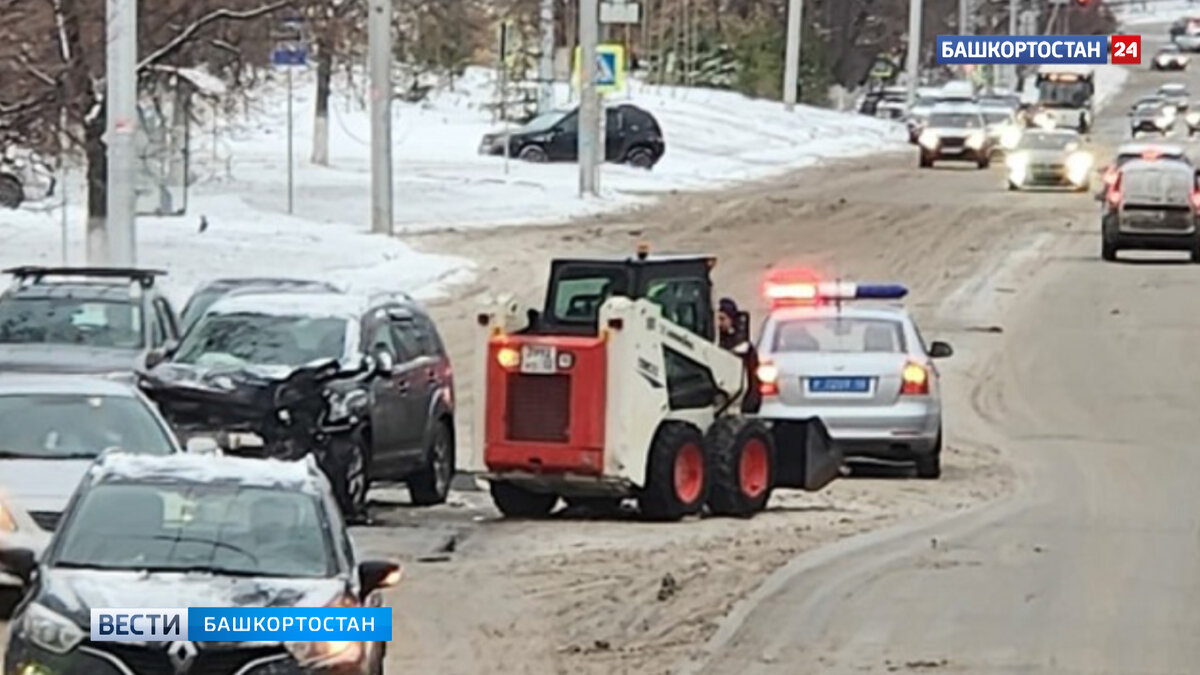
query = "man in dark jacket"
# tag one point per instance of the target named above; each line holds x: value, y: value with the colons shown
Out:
x: 736, y: 338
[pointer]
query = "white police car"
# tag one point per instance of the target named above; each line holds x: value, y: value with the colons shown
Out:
x: 862, y: 367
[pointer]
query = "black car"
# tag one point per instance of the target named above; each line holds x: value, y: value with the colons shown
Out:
x: 203, y: 297
x: 631, y: 136
x: 187, y: 530
x: 100, y: 321
x: 364, y: 382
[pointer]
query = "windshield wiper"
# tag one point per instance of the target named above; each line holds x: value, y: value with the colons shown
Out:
x: 216, y: 570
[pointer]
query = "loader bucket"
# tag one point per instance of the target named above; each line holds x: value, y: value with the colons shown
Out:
x: 806, y: 457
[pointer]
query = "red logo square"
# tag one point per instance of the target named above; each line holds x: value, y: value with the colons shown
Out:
x: 1126, y: 50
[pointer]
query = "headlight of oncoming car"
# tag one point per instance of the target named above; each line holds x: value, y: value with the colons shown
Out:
x: 929, y: 139
x: 343, y: 404
x: 50, y: 630
x: 1018, y: 164
x: 1010, y: 137
x: 1193, y: 119
x: 319, y: 654
x: 975, y: 140
x: 1079, y: 164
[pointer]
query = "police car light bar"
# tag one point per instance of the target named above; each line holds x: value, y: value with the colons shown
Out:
x: 779, y: 292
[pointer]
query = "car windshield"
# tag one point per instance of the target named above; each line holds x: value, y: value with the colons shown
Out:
x: 839, y: 334
x: 1148, y: 107
x: 996, y: 116
x: 925, y: 102
x: 1064, y: 94
x: 186, y: 526
x: 74, y: 426
x: 1036, y: 141
x: 71, y: 321
x: 955, y: 120
x: 1172, y: 91
x: 262, y: 339
x: 198, y: 305
x: 545, y: 121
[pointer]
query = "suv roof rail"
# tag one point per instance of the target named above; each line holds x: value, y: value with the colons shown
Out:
x: 36, y: 273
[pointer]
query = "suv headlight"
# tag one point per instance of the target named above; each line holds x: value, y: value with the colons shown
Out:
x: 975, y: 140
x: 1010, y: 137
x: 320, y: 654
x: 344, y: 404
x: 929, y: 139
x: 50, y: 630
x: 1078, y: 166
x: 1193, y: 119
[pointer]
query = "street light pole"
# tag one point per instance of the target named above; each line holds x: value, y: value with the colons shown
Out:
x: 589, y: 99
x: 791, y: 67
x: 546, y: 63
x: 914, y: 48
x: 114, y: 243
x: 379, y: 46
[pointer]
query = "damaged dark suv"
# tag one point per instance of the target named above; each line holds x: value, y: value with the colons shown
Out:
x: 362, y: 382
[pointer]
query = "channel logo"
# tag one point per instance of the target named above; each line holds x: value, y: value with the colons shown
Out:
x: 242, y: 624
x: 1038, y: 49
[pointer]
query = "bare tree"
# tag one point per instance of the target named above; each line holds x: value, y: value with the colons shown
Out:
x: 52, y: 63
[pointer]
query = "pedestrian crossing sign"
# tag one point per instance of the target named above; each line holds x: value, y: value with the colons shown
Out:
x: 610, y: 68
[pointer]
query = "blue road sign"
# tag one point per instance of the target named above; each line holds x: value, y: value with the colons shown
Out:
x: 289, y: 55
x: 607, y: 67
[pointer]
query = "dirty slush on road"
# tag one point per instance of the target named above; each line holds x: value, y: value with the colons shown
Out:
x: 583, y: 595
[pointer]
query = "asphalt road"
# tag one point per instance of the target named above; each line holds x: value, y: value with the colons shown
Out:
x: 1093, y: 567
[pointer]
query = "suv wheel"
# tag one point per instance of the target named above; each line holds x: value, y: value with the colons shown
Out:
x: 533, y: 153
x: 641, y: 158
x: 348, y: 472
x: 432, y: 485
x: 11, y: 192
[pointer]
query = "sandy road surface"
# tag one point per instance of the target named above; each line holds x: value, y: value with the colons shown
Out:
x: 582, y: 596
x: 579, y: 596
x: 1092, y: 568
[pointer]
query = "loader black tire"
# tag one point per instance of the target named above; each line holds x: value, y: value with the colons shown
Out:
x: 517, y: 502
x: 677, y: 474
x: 741, y: 453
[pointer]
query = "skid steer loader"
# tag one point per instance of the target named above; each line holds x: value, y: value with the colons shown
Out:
x: 617, y: 388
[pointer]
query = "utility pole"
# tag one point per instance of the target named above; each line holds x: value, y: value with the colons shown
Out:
x: 914, y: 48
x: 791, y: 67
x: 964, y: 17
x: 114, y: 244
x: 589, y: 99
x: 546, y: 64
x: 1013, y: 29
x: 379, y: 45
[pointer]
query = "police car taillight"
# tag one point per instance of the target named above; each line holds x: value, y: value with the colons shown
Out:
x: 768, y: 378
x: 1196, y: 200
x: 914, y: 379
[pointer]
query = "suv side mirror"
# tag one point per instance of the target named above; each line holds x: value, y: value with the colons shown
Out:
x: 384, y: 363
x: 159, y: 354
x: 940, y: 350
x: 374, y: 575
x: 21, y: 562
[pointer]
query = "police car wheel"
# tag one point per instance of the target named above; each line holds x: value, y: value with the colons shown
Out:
x: 1108, y: 251
x: 1195, y: 252
x: 929, y: 466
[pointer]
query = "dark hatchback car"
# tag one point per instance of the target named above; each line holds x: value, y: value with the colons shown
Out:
x: 83, y: 320
x: 187, y: 530
x: 204, y: 296
x: 631, y: 136
x: 385, y: 412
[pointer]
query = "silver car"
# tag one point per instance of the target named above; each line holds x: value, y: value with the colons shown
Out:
x: 955, y: 131
x: 1152, y: 205
x: 865, y: 372
x: 52, y: 428
x: 1050, y: 158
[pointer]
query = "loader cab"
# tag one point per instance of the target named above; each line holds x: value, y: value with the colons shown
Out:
x: 681, y: 285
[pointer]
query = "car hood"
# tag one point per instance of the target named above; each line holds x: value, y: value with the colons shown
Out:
x: 218, y: 378
x: 44, y: 358
x: 954, y: 131
x: 41, y: 484
x: 74, y: 592
x: 1045, y: 156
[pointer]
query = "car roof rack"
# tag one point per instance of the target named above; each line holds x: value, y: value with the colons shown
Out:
x: 35, y: 273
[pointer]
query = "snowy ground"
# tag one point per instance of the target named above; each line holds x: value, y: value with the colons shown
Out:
x: 1154, y: 11
x: 713, y: 138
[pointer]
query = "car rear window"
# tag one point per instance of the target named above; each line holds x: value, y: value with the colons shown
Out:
x: 1157, y: 182
x: 839, y: 334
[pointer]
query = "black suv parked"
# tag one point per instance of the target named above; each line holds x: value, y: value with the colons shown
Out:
x: 187, y: 530
x: 363, y: 382
x: 631, y: 136
x: 84, y: 320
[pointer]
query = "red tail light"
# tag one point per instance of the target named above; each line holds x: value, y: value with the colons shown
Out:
x: 914, y: 379
x: 768, y: 379
x: 1196, y: 200
x: 1114, y: 195
x: 1110, y: 176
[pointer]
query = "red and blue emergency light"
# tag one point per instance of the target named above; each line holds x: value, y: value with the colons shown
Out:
x: 786, y: 289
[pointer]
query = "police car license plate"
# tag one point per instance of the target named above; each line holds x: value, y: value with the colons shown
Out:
x: 839, y: 385
x: 537, y: 359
